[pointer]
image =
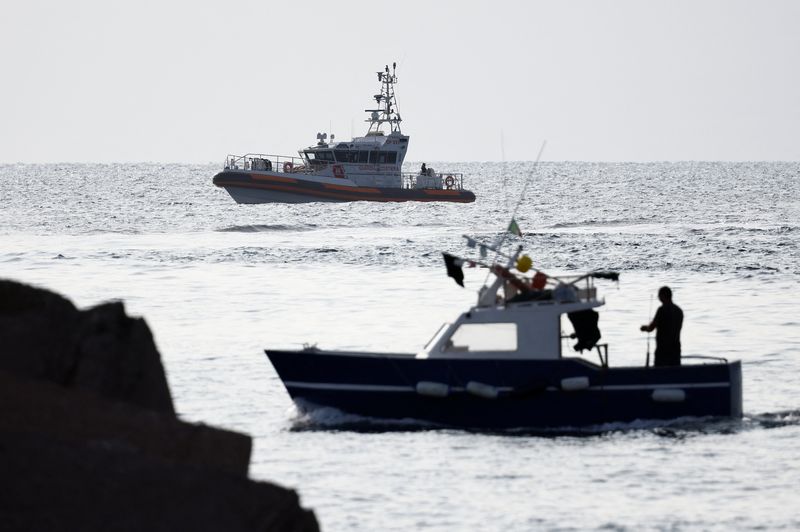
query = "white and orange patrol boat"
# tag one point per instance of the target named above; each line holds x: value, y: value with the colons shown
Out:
x: 367, y: 168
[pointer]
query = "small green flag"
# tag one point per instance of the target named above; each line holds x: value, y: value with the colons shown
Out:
x: 513, y: 228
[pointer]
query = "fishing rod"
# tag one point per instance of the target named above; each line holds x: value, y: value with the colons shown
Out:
x: 528, y: 181
x: 496, y: 248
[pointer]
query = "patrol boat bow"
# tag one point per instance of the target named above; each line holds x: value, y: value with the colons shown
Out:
x: 500, y: 365
x: 367, y: 168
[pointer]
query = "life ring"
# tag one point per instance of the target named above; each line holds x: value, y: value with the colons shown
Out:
x: 449, y: 181
x: 287, y: 167
x: 338, y: 171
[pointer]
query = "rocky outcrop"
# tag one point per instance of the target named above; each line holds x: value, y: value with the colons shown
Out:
x: 43, y: 335
x: 89, y: 439
x: 40, y: 407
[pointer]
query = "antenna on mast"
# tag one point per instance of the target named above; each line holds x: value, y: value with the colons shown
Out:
x: 386, y: 109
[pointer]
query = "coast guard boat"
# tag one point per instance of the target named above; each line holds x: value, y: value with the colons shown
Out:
x: 501, y: 365
x: 367, y: 168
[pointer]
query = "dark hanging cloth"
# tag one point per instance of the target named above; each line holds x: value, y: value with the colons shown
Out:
x: 586, y: 331
x: 454, y: 270
x: 611, y: 276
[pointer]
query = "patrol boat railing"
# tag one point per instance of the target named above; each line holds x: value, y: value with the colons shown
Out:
x: 446, y: 181
x: 269, y: 163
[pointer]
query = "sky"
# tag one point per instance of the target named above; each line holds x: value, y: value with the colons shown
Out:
x: 190, y: 82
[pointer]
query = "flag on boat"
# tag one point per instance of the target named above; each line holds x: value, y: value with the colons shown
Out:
x: 513, y: 228
x: 454, y: 270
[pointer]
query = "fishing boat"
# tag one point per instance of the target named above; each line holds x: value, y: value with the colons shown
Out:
x: 368, y: 168
x: 503, y: 364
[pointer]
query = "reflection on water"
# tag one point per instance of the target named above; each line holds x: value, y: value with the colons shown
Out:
x: 219, y: 282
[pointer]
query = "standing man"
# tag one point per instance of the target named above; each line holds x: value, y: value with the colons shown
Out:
x: 667, y: 323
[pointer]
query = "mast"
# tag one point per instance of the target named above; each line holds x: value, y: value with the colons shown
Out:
x: 386, y: 111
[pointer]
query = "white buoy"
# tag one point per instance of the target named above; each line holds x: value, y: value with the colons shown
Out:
x: 669, y: 395
x: 433, y: 389
x: 487, y: 391
x: 573, y: 384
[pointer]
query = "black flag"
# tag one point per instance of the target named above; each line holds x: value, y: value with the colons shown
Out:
x: 454, y: 268
x: 612, y: 276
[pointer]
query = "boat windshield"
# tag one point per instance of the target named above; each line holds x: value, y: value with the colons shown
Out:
x: 355, y: 156
x: 319, y: 155
x: 436, y: 336
x: 346, y: 156
x: 483, y: 337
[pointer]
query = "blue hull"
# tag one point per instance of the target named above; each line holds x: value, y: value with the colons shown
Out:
x: 530, y: 393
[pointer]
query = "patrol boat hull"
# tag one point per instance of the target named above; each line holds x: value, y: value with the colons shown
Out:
x: 498, y: 394
x: 252, y: 187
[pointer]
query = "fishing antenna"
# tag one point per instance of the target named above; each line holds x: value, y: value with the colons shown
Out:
x: 528, y: 180
x: 499, y: 245
x: 649, y: 317
x: 503, y: 169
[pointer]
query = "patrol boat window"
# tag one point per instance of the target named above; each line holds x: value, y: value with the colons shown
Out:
x: 319, y: 155
x: 346, y: 156
x: 382, y: 157
x: 483, y: 337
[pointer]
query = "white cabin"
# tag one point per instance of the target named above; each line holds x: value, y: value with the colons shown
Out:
x: 521, y: 324
x: 525, y: 330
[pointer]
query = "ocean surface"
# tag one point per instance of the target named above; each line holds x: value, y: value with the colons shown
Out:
x: 219, y: 282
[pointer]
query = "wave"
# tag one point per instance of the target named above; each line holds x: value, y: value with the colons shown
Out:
x: 600, y: 223
x: 258, y: 228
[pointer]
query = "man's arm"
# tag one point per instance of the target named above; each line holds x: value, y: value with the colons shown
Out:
x: 652, y: 325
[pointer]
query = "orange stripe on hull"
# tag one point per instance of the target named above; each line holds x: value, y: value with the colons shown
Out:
x: 351, y: 189
x: 273, y: 178
x: 435, y: 192
x: 341, y: 196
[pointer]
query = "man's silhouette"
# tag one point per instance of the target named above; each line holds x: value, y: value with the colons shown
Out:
x: 667, y: 324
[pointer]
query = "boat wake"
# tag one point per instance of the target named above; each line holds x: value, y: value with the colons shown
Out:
x: 773, y: 420
x: 315, y: 418
x: 331, y: 419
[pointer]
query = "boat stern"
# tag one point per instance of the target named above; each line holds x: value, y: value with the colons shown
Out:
x: 735, y: 372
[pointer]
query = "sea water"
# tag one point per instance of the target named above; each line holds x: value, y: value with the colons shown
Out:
x: 219, y: 282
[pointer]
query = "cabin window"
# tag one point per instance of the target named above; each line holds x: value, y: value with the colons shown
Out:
x: 346, y: 156
x: 387, y: 157
x: 324, y: 155
x: 373, y: 157
x: 483, y: 337
x: 363, y: 157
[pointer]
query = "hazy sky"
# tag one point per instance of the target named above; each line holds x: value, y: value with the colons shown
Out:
x: 599, y: 80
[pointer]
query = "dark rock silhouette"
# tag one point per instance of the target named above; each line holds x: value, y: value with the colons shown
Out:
x: 89, y: 439
x: 43, y: 335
